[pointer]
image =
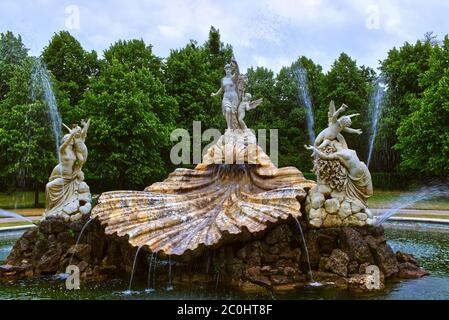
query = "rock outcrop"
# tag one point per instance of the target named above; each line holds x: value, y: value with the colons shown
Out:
x: 274, y: 259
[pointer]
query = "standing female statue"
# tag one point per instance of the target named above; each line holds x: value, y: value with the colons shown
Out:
x: 230, y: 85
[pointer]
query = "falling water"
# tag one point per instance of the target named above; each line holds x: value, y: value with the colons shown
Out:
x: 10, y: 214
x: 425, y: 193
x: 79, y: 238
x: 304, y: 96
x: 149, y: 288
x: 132, y: 272
x: 40, y: 80
x: 154, y: 272
x: 313, y: 283
x: 170, y: 284
x: 377, y: 102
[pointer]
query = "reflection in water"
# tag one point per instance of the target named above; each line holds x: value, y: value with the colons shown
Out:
x: 431, y: 248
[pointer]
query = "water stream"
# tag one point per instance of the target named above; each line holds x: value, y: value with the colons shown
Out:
x: 312, y: 283
x: 377, y: 103
x: 304, y: 96
x: 42, y: 88
x: 79, y: 237
x: 132, y: 272
x: 10, y: 214
x: 425, y: 193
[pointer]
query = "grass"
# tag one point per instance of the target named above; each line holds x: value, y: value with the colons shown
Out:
x: 20, y: 199
x: 385, y: 198
x: 14, y: 224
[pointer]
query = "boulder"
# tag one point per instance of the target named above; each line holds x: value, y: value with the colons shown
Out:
x: 408, y: 270
x: 332, y: 206
x: 278, y: 234
x: 332, y: 221
x: 49, y: 226
x: 345, y: 210
x: 338, y: 263
x: 81, y: 251
x: 354, y: 244
x: 49, y: 262
x: 406, y: 257
x: 317, y: 200
x: 386, y: 259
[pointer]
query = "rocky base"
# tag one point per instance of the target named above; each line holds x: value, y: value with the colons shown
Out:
x: 330, y: 208
x: 273, y: 260
x: 49, y: 248
x: 76, y: 207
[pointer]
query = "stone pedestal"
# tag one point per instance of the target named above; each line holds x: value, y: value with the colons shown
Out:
x: 331, y: 208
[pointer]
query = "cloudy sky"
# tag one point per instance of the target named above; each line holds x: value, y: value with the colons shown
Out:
x: 269, y: 33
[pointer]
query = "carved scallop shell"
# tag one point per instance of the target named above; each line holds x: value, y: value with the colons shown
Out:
x: 205, y: 206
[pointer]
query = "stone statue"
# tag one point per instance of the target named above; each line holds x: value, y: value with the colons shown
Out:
x: 67, y: 195
x: 235, y: 100
x: 344, y: 182
x: 336, y: 126
x: 358, y: 185
x: 244, y: 106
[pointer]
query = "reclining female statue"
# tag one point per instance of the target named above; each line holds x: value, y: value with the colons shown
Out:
x: 358, y: 184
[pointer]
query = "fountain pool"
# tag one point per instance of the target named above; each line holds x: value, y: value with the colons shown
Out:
x: 430, y: 247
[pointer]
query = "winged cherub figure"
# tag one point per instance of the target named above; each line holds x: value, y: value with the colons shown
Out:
x: 246, y: 105
x: 336, y: 126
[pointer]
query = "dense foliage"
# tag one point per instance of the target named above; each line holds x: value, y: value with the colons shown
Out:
x: 135, y: 99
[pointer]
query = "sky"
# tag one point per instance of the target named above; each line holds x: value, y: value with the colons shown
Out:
x: 269, y: 33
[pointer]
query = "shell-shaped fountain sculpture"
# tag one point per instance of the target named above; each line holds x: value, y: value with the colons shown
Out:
x: 210, y: 204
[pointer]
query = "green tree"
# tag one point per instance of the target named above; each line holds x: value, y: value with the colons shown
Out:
x: 347, y: 83
x: 401, y: 71
x: 192, y: 73
x: 283, y: 109
x: 12, y: 55
x: 26, y: 141
x: 71, y: 67
x: 423, y: 135
x: 132, y: 118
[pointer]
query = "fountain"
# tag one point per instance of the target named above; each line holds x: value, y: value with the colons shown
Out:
x: 132, y: 271
x: 304, y: 96
x: 377, y: 102
x: 235, y: 211
x: 9, y: 214
x: 425, y: 193
x: 344, y: 182
x: 41, y: 84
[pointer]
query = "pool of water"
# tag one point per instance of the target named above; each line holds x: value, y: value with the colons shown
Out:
x: 430, y: 247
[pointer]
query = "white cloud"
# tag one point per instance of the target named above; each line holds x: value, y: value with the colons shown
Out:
x: 170, y: 32
x: 263, y: 32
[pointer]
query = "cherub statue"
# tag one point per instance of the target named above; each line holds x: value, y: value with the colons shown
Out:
x: 336, y: 126
x: 244, y: 106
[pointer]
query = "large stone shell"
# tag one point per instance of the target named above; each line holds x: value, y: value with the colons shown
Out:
x: 205, y: 206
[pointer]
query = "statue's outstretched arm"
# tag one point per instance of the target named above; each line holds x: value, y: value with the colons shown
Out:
x: 220, y: 91
x: 66, y: 144
x: 254, y: 104
x: 338, y: 112
x: 350, y: 130
x: 84, y: 130
x: 321, y: 154
x: 235, y: 66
